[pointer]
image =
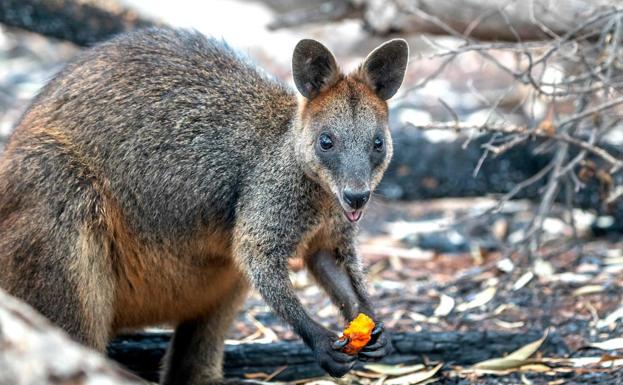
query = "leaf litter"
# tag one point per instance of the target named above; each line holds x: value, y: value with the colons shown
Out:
x: 575, y: 294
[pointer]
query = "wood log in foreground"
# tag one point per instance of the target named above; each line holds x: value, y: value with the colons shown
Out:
x: 142, y: 353
x: 34, y: 352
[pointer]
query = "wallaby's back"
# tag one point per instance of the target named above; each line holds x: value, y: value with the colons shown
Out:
x: 152, y: 113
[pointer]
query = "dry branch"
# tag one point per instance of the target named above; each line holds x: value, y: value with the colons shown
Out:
x: 460, y: 127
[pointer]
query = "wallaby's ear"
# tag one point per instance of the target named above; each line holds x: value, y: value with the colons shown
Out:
x: 313, y: 67
x: 384, y: 68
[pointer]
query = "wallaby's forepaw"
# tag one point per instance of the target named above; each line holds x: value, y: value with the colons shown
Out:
x: 327, y: 351
x: 378, y: 347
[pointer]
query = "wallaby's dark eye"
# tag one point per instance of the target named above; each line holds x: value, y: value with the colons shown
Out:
x: 378, y: 143
x: 325, y: 141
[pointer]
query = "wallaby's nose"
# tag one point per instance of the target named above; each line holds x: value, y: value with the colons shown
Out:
x: 356, y: 199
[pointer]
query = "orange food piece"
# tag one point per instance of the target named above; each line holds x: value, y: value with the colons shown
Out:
x: 359, y: 333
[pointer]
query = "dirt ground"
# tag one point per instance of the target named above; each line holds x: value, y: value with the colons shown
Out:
x: 573, y: 295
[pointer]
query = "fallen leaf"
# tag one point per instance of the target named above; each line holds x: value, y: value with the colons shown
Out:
x: 611, y: 344
x: 605, y: 361
x: 588, y: 289
x: 514, y: 360
x: 613, y: 261
x: 255, y: 376
x: 417, y: 317
x: 569, y: 277
x: 508, y: 325
x: 499, y: 229
x: 414, y: 378
x: 480, y: 299
x: 580, y: 362
x: 543, y: 269
x: 393, y: 370
x: 536, y: 367
x: 429, y: 381
x: 446, y: 304
x: 505, y: 265
x: 556, y: 382
x: 611, y: 361
x: 276, y: 372
x: 321, y: 382
x: 611, y: 318
x: 525, y: 380
x: 372, y: 375
x: 381, y: 380
x: 523, y: 280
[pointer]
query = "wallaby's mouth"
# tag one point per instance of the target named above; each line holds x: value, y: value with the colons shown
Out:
x: 353, y: 216
x: 352, y: 207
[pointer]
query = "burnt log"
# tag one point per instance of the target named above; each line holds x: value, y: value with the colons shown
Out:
x: 142, y: 353
x: 81, y: 22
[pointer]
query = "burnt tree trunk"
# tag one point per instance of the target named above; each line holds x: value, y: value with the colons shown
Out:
x: 421, y: 169
x: 81, y: 22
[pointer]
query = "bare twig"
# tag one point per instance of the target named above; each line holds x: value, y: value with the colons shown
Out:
x: 616, y: 164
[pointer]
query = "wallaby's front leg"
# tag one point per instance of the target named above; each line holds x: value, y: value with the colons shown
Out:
x: 380, y: 345
x: 263, y: 250
x: 344, y: 281
x: 336, y: 282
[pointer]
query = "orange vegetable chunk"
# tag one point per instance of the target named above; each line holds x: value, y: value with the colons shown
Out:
x: 359, y: 333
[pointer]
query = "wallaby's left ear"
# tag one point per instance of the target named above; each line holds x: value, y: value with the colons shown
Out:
x: 384, y: 68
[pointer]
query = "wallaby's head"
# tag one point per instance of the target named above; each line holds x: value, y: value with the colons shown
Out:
x: 342, y: 136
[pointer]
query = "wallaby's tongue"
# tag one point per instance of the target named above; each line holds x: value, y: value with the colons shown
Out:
x: 353, y: 216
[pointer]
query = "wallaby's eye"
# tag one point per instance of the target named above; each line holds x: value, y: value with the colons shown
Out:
x: 378, y: 143
x: 325, y: 142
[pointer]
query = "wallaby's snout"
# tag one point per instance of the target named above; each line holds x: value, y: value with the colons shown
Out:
x: 343, y: 138
x: 356, y: 200
x: 355, y: 183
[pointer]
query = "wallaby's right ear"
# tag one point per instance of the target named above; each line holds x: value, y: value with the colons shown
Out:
x: 385, y: 67
x: 314, y: 68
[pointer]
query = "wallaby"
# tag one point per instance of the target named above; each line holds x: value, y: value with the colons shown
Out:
x: 160, y: 176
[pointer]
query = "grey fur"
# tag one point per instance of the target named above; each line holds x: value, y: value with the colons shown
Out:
x: 160, y: 174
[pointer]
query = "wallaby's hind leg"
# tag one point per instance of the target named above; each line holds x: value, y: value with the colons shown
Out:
x: 195, y: 355
x: 59, y: 267
x: 61, y: 272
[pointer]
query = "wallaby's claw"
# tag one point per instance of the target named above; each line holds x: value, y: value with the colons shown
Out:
x: 327, y: 350
x: 341, y: 343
